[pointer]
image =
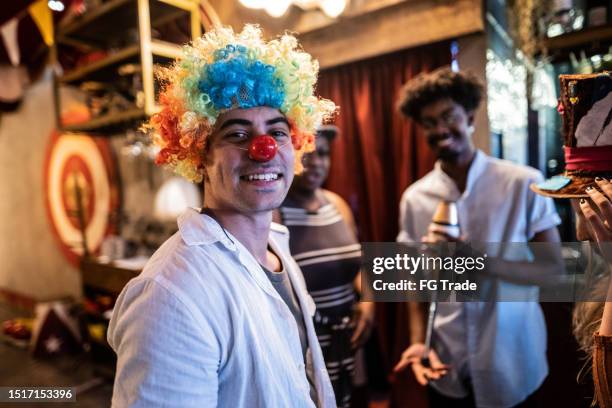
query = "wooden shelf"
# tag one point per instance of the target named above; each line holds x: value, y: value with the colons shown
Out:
x: 106, y: 277
x: 112, y: 21
x: 106, y: 68
x: 592, y: 40
x: 126, y: 31
x: 107, y: 124
x: 164, y: 49
x: 103, y: 66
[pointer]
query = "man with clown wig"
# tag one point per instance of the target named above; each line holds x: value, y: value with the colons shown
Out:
x: 220, y: 315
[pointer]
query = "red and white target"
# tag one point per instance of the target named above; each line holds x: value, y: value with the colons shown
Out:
x: 80, y: 168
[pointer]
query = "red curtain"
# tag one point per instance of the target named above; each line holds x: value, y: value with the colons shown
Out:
x: 378, y: 154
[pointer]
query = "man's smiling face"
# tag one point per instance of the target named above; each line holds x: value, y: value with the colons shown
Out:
x: 233, y: 181
x: 447, y: 127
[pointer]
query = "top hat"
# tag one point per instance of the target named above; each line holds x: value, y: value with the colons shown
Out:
x: 585, y: 106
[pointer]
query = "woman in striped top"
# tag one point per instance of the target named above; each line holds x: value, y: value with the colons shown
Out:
x: 324, y: 244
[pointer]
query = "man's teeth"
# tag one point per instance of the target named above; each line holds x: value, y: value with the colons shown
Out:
x: 445, y: 142
x: 265, y: 177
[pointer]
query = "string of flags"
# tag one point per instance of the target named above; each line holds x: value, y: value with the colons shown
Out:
x: 42, y: 16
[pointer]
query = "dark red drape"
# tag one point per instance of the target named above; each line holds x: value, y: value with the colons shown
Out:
x: 378, y: 154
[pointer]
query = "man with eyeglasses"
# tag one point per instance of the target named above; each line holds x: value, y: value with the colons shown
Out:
x: 484, y: 354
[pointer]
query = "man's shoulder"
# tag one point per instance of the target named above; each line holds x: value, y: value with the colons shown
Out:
x: 335, y: 198
x: 167, y: 255
x: 186, y: 269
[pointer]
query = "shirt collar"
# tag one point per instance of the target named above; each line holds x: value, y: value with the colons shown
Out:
x: 477, y: 168
x: 201, y: 229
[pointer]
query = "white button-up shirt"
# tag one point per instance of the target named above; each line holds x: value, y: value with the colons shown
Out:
x: 499, y: 347
x: 202, y: 326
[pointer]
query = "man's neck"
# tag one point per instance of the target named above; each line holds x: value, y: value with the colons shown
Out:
x: 252, y: 230
x: 457, y: 169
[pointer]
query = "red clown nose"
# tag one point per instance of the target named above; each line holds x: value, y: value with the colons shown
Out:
x: 263, y: 148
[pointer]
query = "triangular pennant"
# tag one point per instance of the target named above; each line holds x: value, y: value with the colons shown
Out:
x: 55, y: 331
x: 41, y: 14
x: 9, y: 37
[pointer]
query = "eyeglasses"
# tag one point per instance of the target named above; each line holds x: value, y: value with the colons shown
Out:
x: 447, y: 119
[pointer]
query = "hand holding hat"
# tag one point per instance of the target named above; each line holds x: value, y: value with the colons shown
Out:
x: 598, y: 213
x: 585, y: 106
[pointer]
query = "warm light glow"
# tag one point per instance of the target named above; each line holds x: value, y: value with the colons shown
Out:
x: 306, y: 4
x: 254, y: 4
x: 174, y: 197
x: 333, y: 8
x: 277, y: 8
x: 55, y: 5
x: 506, y: 82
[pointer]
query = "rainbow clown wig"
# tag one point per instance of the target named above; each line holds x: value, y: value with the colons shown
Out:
x: 222, y: 71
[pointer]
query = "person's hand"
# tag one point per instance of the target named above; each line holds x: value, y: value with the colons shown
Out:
x: 412, y: 357
x: 439, y: 244
x: 364, y: 322
x: 599, y: 215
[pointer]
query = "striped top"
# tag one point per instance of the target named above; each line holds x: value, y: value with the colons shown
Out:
x: 328, y: 253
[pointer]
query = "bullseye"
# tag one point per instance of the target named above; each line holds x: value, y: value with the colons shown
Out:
x: 263, y: 148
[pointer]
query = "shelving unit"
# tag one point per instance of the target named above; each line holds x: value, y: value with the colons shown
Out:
x: 592, y: 40
x: 109, y: 123
x: 110, y: 24
x: 106, y: 68
x: 95, y: 28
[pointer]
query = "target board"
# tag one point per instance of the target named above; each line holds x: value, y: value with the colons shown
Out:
x: 80, y: 169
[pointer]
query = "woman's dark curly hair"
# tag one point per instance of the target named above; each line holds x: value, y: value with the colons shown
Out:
x: 462, y: 87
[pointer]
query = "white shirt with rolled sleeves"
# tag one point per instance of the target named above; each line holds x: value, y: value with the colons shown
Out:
x: 202, y: 326
x: 500, y: 347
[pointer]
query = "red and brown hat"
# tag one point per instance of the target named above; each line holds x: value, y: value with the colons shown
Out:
x: 585, y: 106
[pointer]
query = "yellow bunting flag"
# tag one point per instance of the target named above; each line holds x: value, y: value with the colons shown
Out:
x: 41, y: 14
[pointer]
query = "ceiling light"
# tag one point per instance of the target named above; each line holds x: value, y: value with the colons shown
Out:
x: 277, y: 8
x: 306, y: 4
x: 333, y: 8
x: 254, y: 4
x: 55, y: 5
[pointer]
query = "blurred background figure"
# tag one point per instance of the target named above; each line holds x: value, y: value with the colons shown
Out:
x: 475, y: 338
x: 323, y: 241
